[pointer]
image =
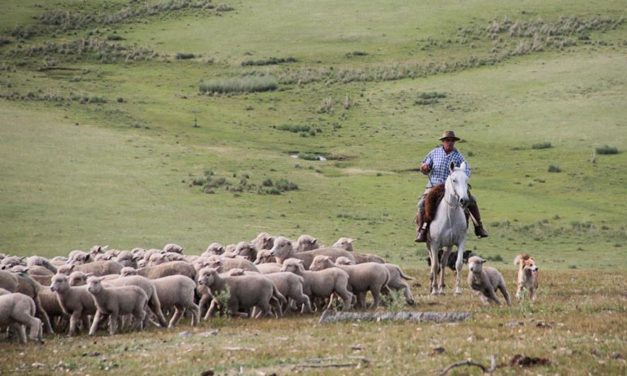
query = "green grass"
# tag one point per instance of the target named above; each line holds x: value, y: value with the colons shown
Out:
x: 97, y: 150
x: 551, y: 328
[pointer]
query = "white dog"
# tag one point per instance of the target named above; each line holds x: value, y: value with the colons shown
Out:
x: 527, y: 276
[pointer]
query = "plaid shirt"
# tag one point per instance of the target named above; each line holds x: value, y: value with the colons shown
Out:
x: 439, y: 163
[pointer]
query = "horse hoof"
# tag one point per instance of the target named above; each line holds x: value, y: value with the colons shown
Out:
x: 458, y: 292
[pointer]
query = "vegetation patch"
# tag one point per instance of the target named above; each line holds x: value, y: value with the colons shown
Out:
x: 184, y: 55
x: 269, y: 61
x: 554, y: 168
x: 542, y: 145
x: 246, y: 84
x: 607, y: 150
x: 94, y: 48
x: 63, y: 20
x: 429, y: 98
x: 303, y: 130
x: 211, y: 183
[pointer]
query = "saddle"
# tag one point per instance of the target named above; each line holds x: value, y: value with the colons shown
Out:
x: 435, y: 195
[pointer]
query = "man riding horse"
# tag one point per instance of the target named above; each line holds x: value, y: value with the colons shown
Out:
x: 436, y: 165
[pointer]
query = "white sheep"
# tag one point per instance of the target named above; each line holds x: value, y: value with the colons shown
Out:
x: 283, y: 250
x: 396, y: 282
x: 116, y: 301
x: 76, y: 302
x: 360, y: 258
x: 365, y: 277
x: 321, y: 284
x: 486, y: 280
x: 177, y: 291
x: 18, y: 310
x: 245, y: 292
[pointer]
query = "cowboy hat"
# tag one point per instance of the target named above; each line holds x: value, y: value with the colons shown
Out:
x: 449, y: 134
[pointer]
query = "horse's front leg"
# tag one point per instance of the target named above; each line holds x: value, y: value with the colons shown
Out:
x: 459, y: 264
x: 443, y: 263
x: 435, y: 264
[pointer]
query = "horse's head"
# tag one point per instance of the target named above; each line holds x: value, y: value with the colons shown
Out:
x: 457, y: 184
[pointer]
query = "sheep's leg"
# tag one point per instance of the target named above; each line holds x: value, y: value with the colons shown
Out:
x: 17, y: 327
x: 361, y: 300
x: 113, y: 323
x: 306, y: 303
x: 202, y: 303
x: 94, y: 325
x: 212, y: 307
x: 195, y: 312
x: 459, y: 264
x: 155, y: 307
x: 505, y: 294
x: 347, y: 299
x: 74, y: 319
x: 43, y: 316
x: 178, y: 312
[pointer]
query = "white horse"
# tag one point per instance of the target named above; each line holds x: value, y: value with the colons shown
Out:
x: 448, y: 229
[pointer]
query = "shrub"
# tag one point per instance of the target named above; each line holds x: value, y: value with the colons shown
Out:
x: 267, y: 183
x: 284, y: 185
x: 269, y: 61
x: 246, y: 84
x: 542, y: 145
x: 554, y: 168
x: 184, y: 55
x: 497, y: 258
x: 427, y: 98
x: 294, y: 128
x: 606, y: 150
x: 356, y: 53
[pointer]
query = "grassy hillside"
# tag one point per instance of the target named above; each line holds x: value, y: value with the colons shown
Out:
x: 104, y: 129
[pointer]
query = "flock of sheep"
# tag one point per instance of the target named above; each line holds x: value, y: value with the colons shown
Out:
x: 268, y: 276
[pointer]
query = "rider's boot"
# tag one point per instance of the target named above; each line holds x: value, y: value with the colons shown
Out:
x: 421, y: 229
x: 474, y: 211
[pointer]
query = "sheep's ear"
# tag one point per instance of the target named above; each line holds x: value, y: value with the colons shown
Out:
x: 72, y: 266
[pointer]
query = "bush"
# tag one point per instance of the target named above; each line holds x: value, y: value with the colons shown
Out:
x: 294, y: 128
x: 246, y: 84
x: 431, y: 97
x: 606, y: 150
x: 543, y: 145
x: 284, y: 185
x: 269, y: 61
x: 554, y: 168
x: 184, y: 56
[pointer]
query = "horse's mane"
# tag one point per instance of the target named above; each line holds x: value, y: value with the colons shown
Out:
x: 432, y: 200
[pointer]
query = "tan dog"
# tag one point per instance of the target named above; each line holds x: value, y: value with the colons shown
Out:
x: 527, y: 275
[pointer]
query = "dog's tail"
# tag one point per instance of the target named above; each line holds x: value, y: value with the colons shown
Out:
x: 519, y: 258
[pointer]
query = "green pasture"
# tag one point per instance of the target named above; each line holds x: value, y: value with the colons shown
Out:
x: 106, y: 153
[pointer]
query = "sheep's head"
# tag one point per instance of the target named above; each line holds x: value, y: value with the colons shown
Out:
x: 236, y: 272
x: 207, y: 276
x: 344, y: 243
x: 342, y: 260
x: 321, y: 262
x: 59, y: 283
x: 78, y: 278
x: 173, y: 248
x: 127, y: 270
x: 282, y: 247
x: 264, y: 256
x: 215, y: 249
x: 94, y: 284
x: 66, y: 269
x: 246, y: 250
x: 306, y: 243
x: 475, y: 264
x: 214, y: 262
x: 263, y: 241
x: 293, y: 265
